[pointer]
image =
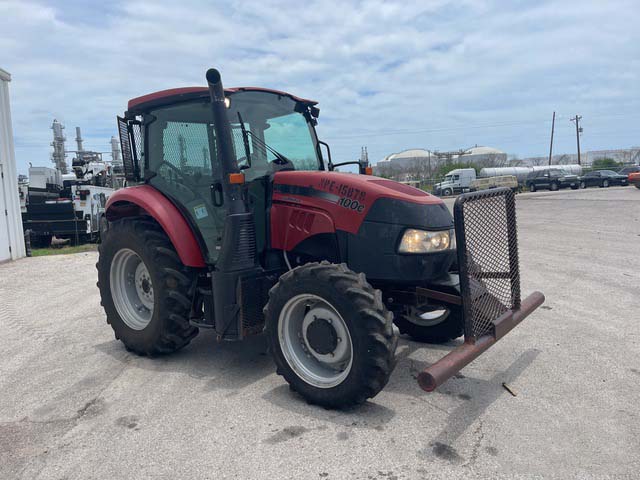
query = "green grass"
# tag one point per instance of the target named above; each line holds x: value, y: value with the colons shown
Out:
x: 87, y: 247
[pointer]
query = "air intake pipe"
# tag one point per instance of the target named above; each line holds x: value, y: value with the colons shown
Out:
x: 224, y: 143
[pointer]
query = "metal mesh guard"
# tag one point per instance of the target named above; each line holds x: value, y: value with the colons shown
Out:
x: 129, y: 152
x: 486, y: 236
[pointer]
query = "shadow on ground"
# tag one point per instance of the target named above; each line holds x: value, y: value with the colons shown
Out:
x: 220, y: 365
x: 234, y: 366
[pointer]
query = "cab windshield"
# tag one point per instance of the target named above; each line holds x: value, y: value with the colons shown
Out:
x: 275, y: 133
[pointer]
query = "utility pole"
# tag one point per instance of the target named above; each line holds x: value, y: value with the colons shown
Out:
x: 553, y: 125
x: 577, y: 119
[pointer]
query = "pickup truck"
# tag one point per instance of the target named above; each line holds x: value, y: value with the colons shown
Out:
x: 552, y: 179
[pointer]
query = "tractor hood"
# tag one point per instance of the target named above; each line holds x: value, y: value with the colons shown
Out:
x: 352, y: 198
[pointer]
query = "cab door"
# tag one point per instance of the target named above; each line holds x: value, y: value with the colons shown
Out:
x: 182, y: 163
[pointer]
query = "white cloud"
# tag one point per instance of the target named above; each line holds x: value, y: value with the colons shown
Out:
x: 441, y: 72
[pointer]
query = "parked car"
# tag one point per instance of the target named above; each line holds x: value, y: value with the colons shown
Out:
x: 634, y: 179
x: 552, y: 179
x: 628, y: 170
x: 602, y: 178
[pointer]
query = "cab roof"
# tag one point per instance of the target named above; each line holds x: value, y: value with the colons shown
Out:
x: 174, y: 95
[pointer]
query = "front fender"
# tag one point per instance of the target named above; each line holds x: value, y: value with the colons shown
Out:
x: 144, y: 199
x: 292, y: 224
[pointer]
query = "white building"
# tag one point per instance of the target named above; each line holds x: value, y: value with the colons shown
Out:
x: 11, y: 235
x: 483, y: 156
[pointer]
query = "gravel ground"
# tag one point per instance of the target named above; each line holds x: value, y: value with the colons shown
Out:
x: 75, y: 405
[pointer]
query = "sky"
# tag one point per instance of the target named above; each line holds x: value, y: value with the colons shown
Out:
x: 440, y: 74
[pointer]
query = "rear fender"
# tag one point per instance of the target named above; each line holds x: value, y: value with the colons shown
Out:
x: 146, y: 200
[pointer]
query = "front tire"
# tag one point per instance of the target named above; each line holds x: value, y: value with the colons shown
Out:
x: 447, y: 192
x: 440, y: 328
x: 330, y: 335
x: 554, y: 186
x: 605, y: 184
x: 583, y: 185
x: 145, y: 288
x: 532, y: 188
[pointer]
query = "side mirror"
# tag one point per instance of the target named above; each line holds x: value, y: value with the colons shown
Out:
x: 326, y: 145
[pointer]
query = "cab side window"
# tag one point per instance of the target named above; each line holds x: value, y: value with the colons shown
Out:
x: 183, y: 164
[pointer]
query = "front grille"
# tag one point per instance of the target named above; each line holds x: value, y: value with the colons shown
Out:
x: 245, y: 249
x: 486, y: 235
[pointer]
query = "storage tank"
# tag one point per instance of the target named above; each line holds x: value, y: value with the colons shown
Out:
x: 519, y: 172
x: 574, y: 169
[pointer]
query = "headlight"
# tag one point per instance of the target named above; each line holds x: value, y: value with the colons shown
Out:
x: 422, y: 241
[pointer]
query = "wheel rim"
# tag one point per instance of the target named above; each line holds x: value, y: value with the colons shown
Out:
x: 428, y: 318
x: 315, y: 341
x: 131, y: 289
x: 605, y: 183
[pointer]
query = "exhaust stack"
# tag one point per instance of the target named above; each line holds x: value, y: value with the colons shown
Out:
x: 231, y: 190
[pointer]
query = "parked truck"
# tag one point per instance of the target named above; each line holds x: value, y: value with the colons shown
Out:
x: 65, y: 206
x: 456, y: 181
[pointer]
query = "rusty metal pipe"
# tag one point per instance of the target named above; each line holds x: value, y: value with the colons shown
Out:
x: 438, y: 373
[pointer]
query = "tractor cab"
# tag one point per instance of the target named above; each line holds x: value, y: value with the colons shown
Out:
x: 173, y: 138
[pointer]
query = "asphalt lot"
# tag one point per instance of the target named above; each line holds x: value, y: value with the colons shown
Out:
x: 75, y: 405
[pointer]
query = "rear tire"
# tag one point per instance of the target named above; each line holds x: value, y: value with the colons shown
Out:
x: 304, y: 341
x: 553, y: 187
x: 532, y: 188
x: 583, y: 185
x: 145, y: 288
x: 605, y: 184
x: 103, y: 226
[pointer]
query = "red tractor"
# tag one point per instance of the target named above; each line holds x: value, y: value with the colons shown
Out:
x: 238, y: 223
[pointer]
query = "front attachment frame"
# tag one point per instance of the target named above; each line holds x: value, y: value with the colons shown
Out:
x: 487, y: 248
